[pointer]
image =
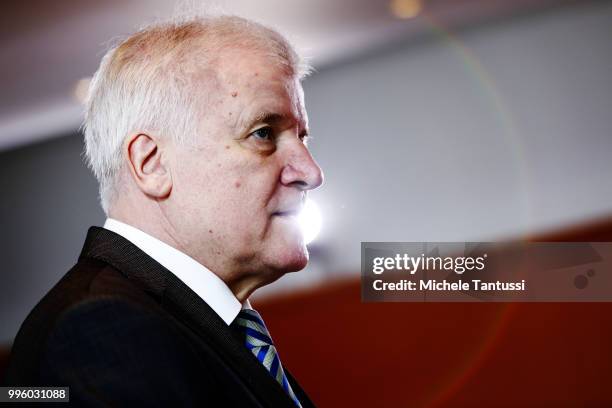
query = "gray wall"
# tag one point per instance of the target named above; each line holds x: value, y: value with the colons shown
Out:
x: 49, y: 199
x: 500, y: 130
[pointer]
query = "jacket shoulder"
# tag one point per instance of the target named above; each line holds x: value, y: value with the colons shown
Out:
x: 88, y: 284
x: 112, y: 350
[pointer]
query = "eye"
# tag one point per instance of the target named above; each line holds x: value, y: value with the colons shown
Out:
x: 264, y: 133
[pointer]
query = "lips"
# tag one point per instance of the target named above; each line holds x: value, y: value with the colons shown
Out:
x: 290, y: 213
x: 291, y: 208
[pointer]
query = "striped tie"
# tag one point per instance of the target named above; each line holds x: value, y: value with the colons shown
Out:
x: 259, y: 341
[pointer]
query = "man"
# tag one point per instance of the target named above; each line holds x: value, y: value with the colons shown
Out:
x: 196, y: 132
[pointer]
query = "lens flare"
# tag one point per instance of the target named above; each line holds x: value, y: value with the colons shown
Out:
x: 310, y: 221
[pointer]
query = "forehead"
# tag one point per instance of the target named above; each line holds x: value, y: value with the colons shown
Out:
x: 255, y: 85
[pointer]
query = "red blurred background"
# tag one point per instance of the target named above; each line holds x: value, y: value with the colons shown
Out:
x: 447, y: 354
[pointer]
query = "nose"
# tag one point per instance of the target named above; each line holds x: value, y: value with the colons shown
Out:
x: 301, y: 170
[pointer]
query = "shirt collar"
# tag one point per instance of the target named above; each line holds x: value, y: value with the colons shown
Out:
x: 200, y: 279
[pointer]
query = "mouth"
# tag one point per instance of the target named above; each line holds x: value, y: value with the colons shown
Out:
x: 290, y: 209
x: 289, y: 213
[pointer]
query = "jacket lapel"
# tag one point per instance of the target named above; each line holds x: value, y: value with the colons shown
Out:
x: 187, y: 307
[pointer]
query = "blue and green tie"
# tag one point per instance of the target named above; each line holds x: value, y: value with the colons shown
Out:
x: 259, y: 341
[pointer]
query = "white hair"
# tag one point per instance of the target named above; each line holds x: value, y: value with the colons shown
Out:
x: 146, y: 83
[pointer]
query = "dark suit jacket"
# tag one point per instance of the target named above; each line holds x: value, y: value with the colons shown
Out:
x: 119, y: 329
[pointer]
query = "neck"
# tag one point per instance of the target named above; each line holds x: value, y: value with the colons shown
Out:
x: 245, y: 285
x: 157, y: 225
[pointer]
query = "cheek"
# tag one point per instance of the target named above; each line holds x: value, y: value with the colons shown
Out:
x: 240, y: 190
x: 247, y: 179
x: 232, y: 192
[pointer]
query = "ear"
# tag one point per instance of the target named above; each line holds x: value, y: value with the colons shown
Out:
x: 148, y: 165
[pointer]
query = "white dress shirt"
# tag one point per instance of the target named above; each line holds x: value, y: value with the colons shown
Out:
x: 200, y: 279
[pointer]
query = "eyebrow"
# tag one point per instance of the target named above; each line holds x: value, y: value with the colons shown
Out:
x: 272, y: 118
x: 269, y: 117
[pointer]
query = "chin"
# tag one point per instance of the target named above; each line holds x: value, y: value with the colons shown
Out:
x: 290, y: 258
x: 285, y: 248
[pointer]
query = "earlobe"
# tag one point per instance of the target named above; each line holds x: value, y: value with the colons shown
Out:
x: 148, y: 165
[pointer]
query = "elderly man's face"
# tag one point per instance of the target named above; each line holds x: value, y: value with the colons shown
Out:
x: 236, y: 194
